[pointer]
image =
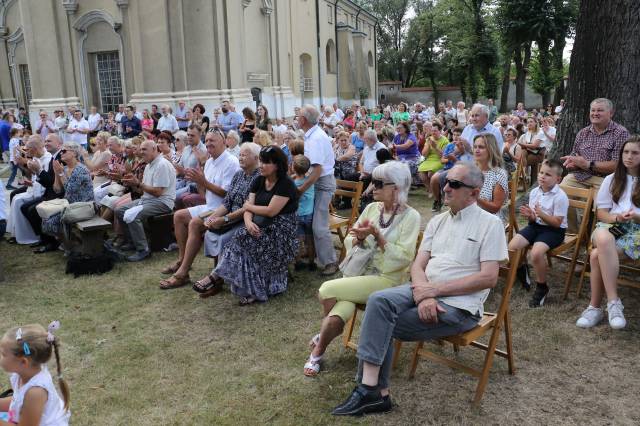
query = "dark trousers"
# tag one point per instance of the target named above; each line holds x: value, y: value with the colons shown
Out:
x: 29, y: 211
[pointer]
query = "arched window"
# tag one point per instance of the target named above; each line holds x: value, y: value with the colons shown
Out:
x: 330, y: 52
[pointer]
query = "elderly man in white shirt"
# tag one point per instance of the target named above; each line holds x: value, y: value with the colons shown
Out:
x: 95, y: 122
x: 193, y: 154
x: 319, y: 151
x: 329, y: 120
x: 451, y: 277
x: 479, y: 123
x: 369, y: 160
x: 158, y: 187
x: 213, y: 183
x: 77, y: 129
x: 167, y: 122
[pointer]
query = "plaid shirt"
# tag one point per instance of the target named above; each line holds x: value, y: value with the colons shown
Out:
x: 598, y: 147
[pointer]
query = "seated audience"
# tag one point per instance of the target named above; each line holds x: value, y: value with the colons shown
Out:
x: 188, y: 223
x: 532, y: 148
x: 228, y: 217
x: 616, y: 236
x: 406, y: 147
x: 388, y: 226
x: 547, y: 216
x: 193, y: 156
x: 432, y: 152
x: 368, y: 159
x: 512, y: 151
x: 232, y: 143
x: 346, y: 158
x: 455, y: 151
x: 495, y: 190
x: 73, y: 182
x: 158, y: 187
x: 301, y: 166
x: 454, y: 270
x: 99, y: 159
x: 254, y: 263
x: 24, y: 223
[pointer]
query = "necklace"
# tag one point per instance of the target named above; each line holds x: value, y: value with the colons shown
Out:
x: 381, y: 221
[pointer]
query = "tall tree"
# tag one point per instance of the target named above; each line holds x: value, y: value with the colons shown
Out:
x: 605, y: 62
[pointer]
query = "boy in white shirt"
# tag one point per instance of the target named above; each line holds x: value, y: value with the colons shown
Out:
x: 547, y: 214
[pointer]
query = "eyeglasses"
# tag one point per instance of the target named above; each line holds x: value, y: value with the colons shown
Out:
x: 379, y: 184
x: 456, y: 184
x: 63, y: 151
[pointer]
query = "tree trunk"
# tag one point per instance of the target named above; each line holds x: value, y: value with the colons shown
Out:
x: 434, y: 86
x: 545, y: 68
x: 522, y: 68
x: 558, y: 66
x: 604, y: 63
x: 506, y: 80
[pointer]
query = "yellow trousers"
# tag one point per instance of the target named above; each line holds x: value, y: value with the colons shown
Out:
x: 350, y: 291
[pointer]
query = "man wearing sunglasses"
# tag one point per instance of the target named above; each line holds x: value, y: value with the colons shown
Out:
x: 454, y: 270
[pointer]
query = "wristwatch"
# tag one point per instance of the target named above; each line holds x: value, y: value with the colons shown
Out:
x: 225, y: 218
x: 592, y: 166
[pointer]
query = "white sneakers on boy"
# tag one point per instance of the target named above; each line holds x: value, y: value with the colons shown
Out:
x: 590, y: 317
x: 616, y: 318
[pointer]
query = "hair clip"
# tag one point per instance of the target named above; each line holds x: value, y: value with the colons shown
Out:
x: 50, y: 329
x: 19, y: 334
x: 25, y: 349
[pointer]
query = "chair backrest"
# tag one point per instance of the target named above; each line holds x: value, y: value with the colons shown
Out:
x: 582, y: 199
x: 509, y: 272
x: 521, y: 177
x: 353, y: 190
x: 513, y: 194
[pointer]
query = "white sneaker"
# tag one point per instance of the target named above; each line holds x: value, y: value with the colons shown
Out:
x: 616, y: 318
x: 590, y: 317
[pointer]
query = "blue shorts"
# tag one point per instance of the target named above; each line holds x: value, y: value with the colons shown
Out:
x: 534, y: 233
x: 304, y: 225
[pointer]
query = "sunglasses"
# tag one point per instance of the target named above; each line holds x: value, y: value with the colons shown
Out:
x: 456, y: 184
x: 267, y: 149
x: 378, y: 184
x: 63, y: 151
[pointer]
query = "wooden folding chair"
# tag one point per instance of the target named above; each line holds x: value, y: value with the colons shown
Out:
x: 632, y: 267
x: 492, y: 323
x: 512, y: 227
x: 582, y: 199
x: 521, y: 175
x: 350, y: 325
x: 340, y: 225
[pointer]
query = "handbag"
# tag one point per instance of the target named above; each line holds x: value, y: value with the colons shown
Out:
x: 357, y: 261
x: 262, y: 221
x: 48, y: 208
x: 77, y: 212
x: 116, y: 189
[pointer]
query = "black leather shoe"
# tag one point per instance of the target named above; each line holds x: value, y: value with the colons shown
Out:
x: 46, y: 248
x: 362, y: 401
x: 139, y: 255
x: 35, y: 245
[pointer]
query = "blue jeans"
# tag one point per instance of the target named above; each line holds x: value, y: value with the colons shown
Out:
x: 14, y: 171
x: 392, y: 313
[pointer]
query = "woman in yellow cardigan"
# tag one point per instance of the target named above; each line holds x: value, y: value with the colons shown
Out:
x: 391, y: 227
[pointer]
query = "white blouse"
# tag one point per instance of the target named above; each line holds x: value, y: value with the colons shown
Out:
x: 604, y: 199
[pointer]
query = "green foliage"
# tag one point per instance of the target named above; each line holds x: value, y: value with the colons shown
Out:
x: 542, y: 81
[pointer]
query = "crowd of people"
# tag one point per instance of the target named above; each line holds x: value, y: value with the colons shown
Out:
x: 256, y: 193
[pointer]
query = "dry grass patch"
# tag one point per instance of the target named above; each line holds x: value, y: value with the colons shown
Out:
x: 136, y: 355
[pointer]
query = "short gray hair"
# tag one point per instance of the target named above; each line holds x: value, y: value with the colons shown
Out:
x: 117, y: 140
x: 483, y: 109
x: 474, y: 176
x: 253, y: 147
x: 371, y: 134
x: 399, y: 174
x: 604, y: 101
x: 233, y: 134
x: 180, y: 134
x: 73, y: 146
x: 310, y: 113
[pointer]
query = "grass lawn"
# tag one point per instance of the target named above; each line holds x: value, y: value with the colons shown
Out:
x: 136, y: 355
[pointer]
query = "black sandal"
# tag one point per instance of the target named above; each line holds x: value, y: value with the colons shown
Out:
x: 201, y: 287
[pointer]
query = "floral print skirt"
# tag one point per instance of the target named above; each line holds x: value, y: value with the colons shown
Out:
x: 258, y: 267
x: 629, y: 243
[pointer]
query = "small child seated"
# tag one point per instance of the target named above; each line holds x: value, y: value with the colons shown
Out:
x: 547, y: 215
x: 301, y: 166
